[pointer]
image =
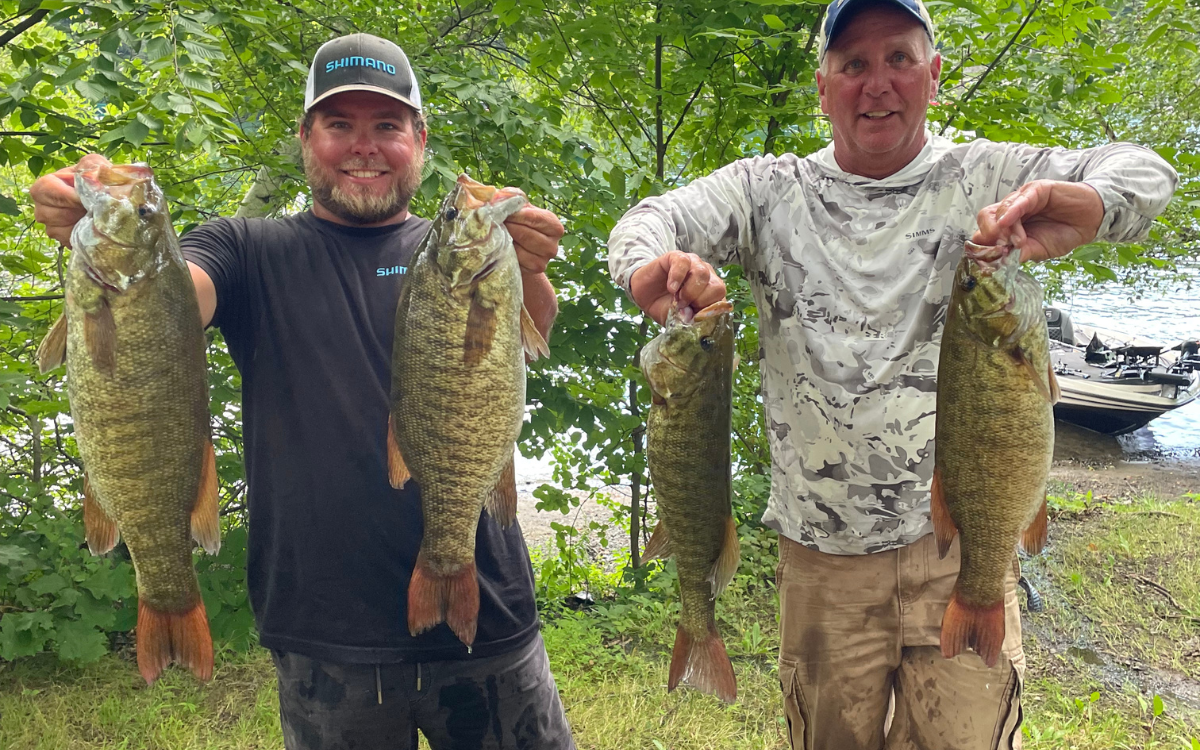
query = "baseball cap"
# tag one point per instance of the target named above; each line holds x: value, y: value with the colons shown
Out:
x: 361, y: 62
x: 840, y: 12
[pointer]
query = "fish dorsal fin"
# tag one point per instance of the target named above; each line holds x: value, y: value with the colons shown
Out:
x: 531, y: 339
x: 52, y: 352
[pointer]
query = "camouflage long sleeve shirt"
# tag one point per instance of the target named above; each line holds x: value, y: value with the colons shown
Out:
x: 851, y: 277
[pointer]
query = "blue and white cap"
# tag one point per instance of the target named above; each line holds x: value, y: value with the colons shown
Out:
x: 841, y: 11
x: 361, y: 62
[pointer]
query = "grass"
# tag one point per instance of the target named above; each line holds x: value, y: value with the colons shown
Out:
x: 1114, y: 662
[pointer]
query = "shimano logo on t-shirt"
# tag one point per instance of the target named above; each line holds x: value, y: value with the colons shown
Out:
x: 354, y: 62
x: 393, y: 270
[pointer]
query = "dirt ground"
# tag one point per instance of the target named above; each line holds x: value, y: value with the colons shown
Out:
x: 1099, y: 463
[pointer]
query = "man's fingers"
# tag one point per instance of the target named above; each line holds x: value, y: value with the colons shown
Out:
x: 679, y: 266
x: 695, y: 284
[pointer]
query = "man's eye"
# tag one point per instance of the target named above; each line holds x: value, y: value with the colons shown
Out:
x: 901, y: 57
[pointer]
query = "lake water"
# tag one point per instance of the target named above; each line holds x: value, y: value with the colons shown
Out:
x: 1166, y: 317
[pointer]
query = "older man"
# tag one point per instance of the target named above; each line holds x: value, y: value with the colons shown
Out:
x: 307, y: 304
x: 850, y: 253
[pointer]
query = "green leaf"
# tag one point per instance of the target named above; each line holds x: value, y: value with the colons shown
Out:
x: 136, y: 131
x: 49, y: 584
x: 112, y: 583
x: 17, y: 560
x: 8, y: 206
x: 79, y: 642
x: 773, y: 21
x: 194, y: 80
x: 1158, y: 705
x: 23, y: 633
x: 204, y: 51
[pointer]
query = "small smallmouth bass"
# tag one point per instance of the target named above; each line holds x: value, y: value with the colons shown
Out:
x: 458, y: 394
x: 138, y: 386
x: 994, y: 439
x: 690, y: 370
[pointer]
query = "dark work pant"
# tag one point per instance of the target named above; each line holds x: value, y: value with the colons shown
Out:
x: 506, y: 702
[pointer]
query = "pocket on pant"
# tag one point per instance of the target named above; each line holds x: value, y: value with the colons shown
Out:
x: 1008, y: 726
x: 794, y: 708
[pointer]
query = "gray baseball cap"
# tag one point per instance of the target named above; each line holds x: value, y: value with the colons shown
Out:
x: 361, y: 62
x: 841, y: 10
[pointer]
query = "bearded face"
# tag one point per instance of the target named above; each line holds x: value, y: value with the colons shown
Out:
x: 363, y: 157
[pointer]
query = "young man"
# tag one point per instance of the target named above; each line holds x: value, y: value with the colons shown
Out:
x: 307, y: 305
x: 850, y: 253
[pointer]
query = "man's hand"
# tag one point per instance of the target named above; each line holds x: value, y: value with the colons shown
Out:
x: 535, y: 233
x: 1044, y: 218
x: 676, y: 276
x: 55, y: 202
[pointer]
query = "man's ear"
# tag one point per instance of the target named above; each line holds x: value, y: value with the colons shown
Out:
x: 935, y: 70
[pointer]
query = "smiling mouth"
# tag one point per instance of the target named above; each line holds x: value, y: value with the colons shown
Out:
x: 877, y: 115
x: 365, y: 174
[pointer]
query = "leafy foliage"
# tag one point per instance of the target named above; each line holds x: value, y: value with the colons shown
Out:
x: 589, y: 107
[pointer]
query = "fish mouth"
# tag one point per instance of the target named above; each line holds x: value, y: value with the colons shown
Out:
x: 95, y: 277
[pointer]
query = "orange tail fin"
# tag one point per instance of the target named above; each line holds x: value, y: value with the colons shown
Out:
x: 980, y: 628
x: 1034, y: 537
x: 703, y: 664
x: 183, y: 637
x: 452, y: 599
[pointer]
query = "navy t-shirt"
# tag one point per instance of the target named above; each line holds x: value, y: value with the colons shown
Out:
x: 308, y: 309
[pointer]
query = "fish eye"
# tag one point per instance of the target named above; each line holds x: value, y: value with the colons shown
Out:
x: 451, y: 214
x: 968, y: 283
x: 143, y: 210
x: 706, y: 343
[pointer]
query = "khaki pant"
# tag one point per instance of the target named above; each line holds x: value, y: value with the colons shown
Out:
x: 861, y: 633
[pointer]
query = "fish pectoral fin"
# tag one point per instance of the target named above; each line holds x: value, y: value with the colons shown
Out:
x: 531, y: 338
x: 206, y: 521
x: 944, y: 528
x: 398, y: 473
x: 100, y: 336
x: 101, y: 531
x: 180, y: 636
x: 1048, y: 387
x: 52, y: 352
x: 726, y: 564
x: 966, y: 626
x: 702, y: 663
x: 1033, y: 539
x: 1052, y: 379
x: 659, y: 546
x: 501, y: 500
x: 481, y: 331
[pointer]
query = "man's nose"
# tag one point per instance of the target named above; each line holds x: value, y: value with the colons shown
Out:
x: 878, y: 81
x: 364, y: 144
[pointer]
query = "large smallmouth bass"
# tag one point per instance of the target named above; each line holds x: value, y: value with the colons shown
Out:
x: 690, y: 370
x: 994, y: 439
x: 458, y: 394
x: 138, y: 387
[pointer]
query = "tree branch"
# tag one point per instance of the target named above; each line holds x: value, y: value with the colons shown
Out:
x: 35, y: 298
x: 20, y: 28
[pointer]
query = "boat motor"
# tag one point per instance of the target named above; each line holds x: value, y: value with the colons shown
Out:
x: 1058, y: 325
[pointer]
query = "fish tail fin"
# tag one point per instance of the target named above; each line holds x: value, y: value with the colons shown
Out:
x: 398, y: 473
x: 183, y: 637
x: 703, y: 664
x: 1033, y: 540
x: 52, y: 352
x: 980, y: 628
x: 531, y: 339
x: 501, y: 500
x: 98, y: 527
x: 944, y: 528
x: 206, y: 521
x: 726, y: 564
x: 659, y: 545
x: 452, y: 599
